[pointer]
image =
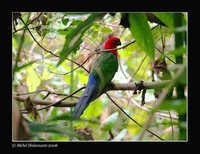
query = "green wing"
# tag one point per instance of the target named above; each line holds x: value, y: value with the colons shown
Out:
x: 104, y: 70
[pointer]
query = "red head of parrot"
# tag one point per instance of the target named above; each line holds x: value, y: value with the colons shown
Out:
x: 112, y: 43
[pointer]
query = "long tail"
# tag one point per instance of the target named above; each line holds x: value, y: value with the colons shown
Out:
x: 86, y: 97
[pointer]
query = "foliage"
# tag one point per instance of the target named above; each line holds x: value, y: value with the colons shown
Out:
x: 142, y: 33
x: 68, y: 40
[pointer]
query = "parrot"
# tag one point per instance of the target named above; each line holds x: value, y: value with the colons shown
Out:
x: 100, y: 76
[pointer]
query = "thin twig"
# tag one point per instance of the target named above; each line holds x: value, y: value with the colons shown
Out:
x: 132, y: 118
x: 80, y: 65
x: 165, y: 55
x: 138, y: 67
x: 146, y: 68
x: 37, y: 91
x: 53, y: 104
x: 91, y: 40
x: 35, y: 27
x: 120, y: 66
x: 45, y: 102
x: 50, y: 93
x: 28, y: 23
x: 84, y: 47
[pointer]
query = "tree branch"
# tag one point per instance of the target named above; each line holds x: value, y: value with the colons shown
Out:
x: 53, y: 104
x: 111, y: 87
x: 131, y: 86
x: 44, y: 102
x: 48, y: 92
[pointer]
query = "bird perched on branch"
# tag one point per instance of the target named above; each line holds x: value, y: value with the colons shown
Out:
x: 101, y: 75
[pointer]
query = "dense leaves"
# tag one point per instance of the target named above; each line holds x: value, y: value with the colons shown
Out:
x: 167, y: 18
x: 74, y: 38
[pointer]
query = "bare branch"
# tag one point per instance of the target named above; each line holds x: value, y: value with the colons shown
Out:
x: 49, y: 92
x: 117, y: 86
x: 37, y: 91
x: 58, y: 102
x: 44, y: 102
x: 131, y: 86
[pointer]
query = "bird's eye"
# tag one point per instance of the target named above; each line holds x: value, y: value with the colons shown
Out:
x: 113, y: 41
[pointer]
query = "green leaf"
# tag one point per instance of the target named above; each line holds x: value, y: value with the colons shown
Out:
x: 16, y: 40
x: 64, y: 116
x: 45, y: 31
x: 74, y: 38
x: 83, y: 78
x: 65, y: 21
x: 18, y: 68
x: 46, y: 74
x: 93, y: 110
x: 177, y: 52
x: 57, y: 128
x: 94, y: 34
x: 142, y: 33
x: 33, y: 80
x: 67, y: 117
x: 121, y: 135
x: 166, y: 18
x: 47, y: 128
x: 178, y: 104
x: 106, y: 30
x: 110, y: 121
x: 76, y: 22
x: 65, y: 31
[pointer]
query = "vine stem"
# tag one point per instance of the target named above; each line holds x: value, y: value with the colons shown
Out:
x: 132, y: 118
